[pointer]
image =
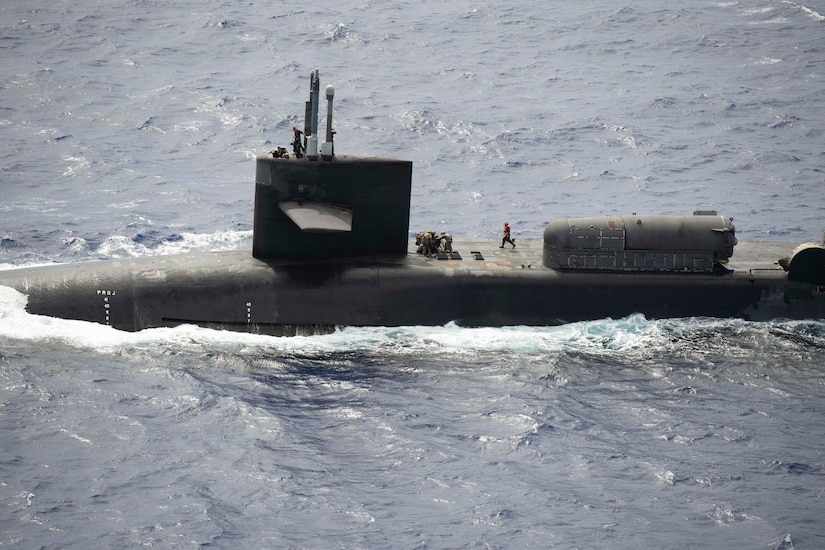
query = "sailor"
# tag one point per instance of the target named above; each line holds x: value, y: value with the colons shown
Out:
x: 428, y: 242
x: 447, y: 241
x: 507, y: 238
x: 435, y: 240
x: 297, y: 142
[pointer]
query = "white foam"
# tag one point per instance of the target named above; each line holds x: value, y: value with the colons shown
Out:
x: 810, y: 12
x: 597, y: 336
x: 121, y: 246
x: 627, y: 337
x: 78, y: 164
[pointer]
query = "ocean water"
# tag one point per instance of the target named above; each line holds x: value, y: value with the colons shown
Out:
x: 130, y: 129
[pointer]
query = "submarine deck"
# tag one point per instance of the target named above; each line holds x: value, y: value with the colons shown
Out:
x: 748, y: 255
x: 475, y: 255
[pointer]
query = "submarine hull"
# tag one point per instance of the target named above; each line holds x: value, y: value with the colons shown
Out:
x: 330, y: 247
x: 491, y: 287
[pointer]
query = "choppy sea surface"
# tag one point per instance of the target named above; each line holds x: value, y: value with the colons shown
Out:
x: 130, y: 128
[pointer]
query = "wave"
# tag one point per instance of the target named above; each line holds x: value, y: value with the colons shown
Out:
x: 152, y: 245
x: 147, y: 243
x: 806, y: 10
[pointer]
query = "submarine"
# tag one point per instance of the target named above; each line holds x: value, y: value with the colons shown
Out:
x: 332, y: 247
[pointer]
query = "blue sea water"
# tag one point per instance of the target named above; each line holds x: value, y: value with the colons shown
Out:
x: 130, y: 129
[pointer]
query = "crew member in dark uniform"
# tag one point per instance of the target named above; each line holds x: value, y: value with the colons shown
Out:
x: 507, y: 238
x: 447, y: 241
x: 297, y: 142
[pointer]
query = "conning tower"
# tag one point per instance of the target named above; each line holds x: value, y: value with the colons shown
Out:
x: 323, y: 206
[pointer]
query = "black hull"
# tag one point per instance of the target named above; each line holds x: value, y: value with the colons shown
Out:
x: 233, y: 290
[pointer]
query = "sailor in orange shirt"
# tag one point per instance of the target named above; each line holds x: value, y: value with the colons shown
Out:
x: 507, y: 238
